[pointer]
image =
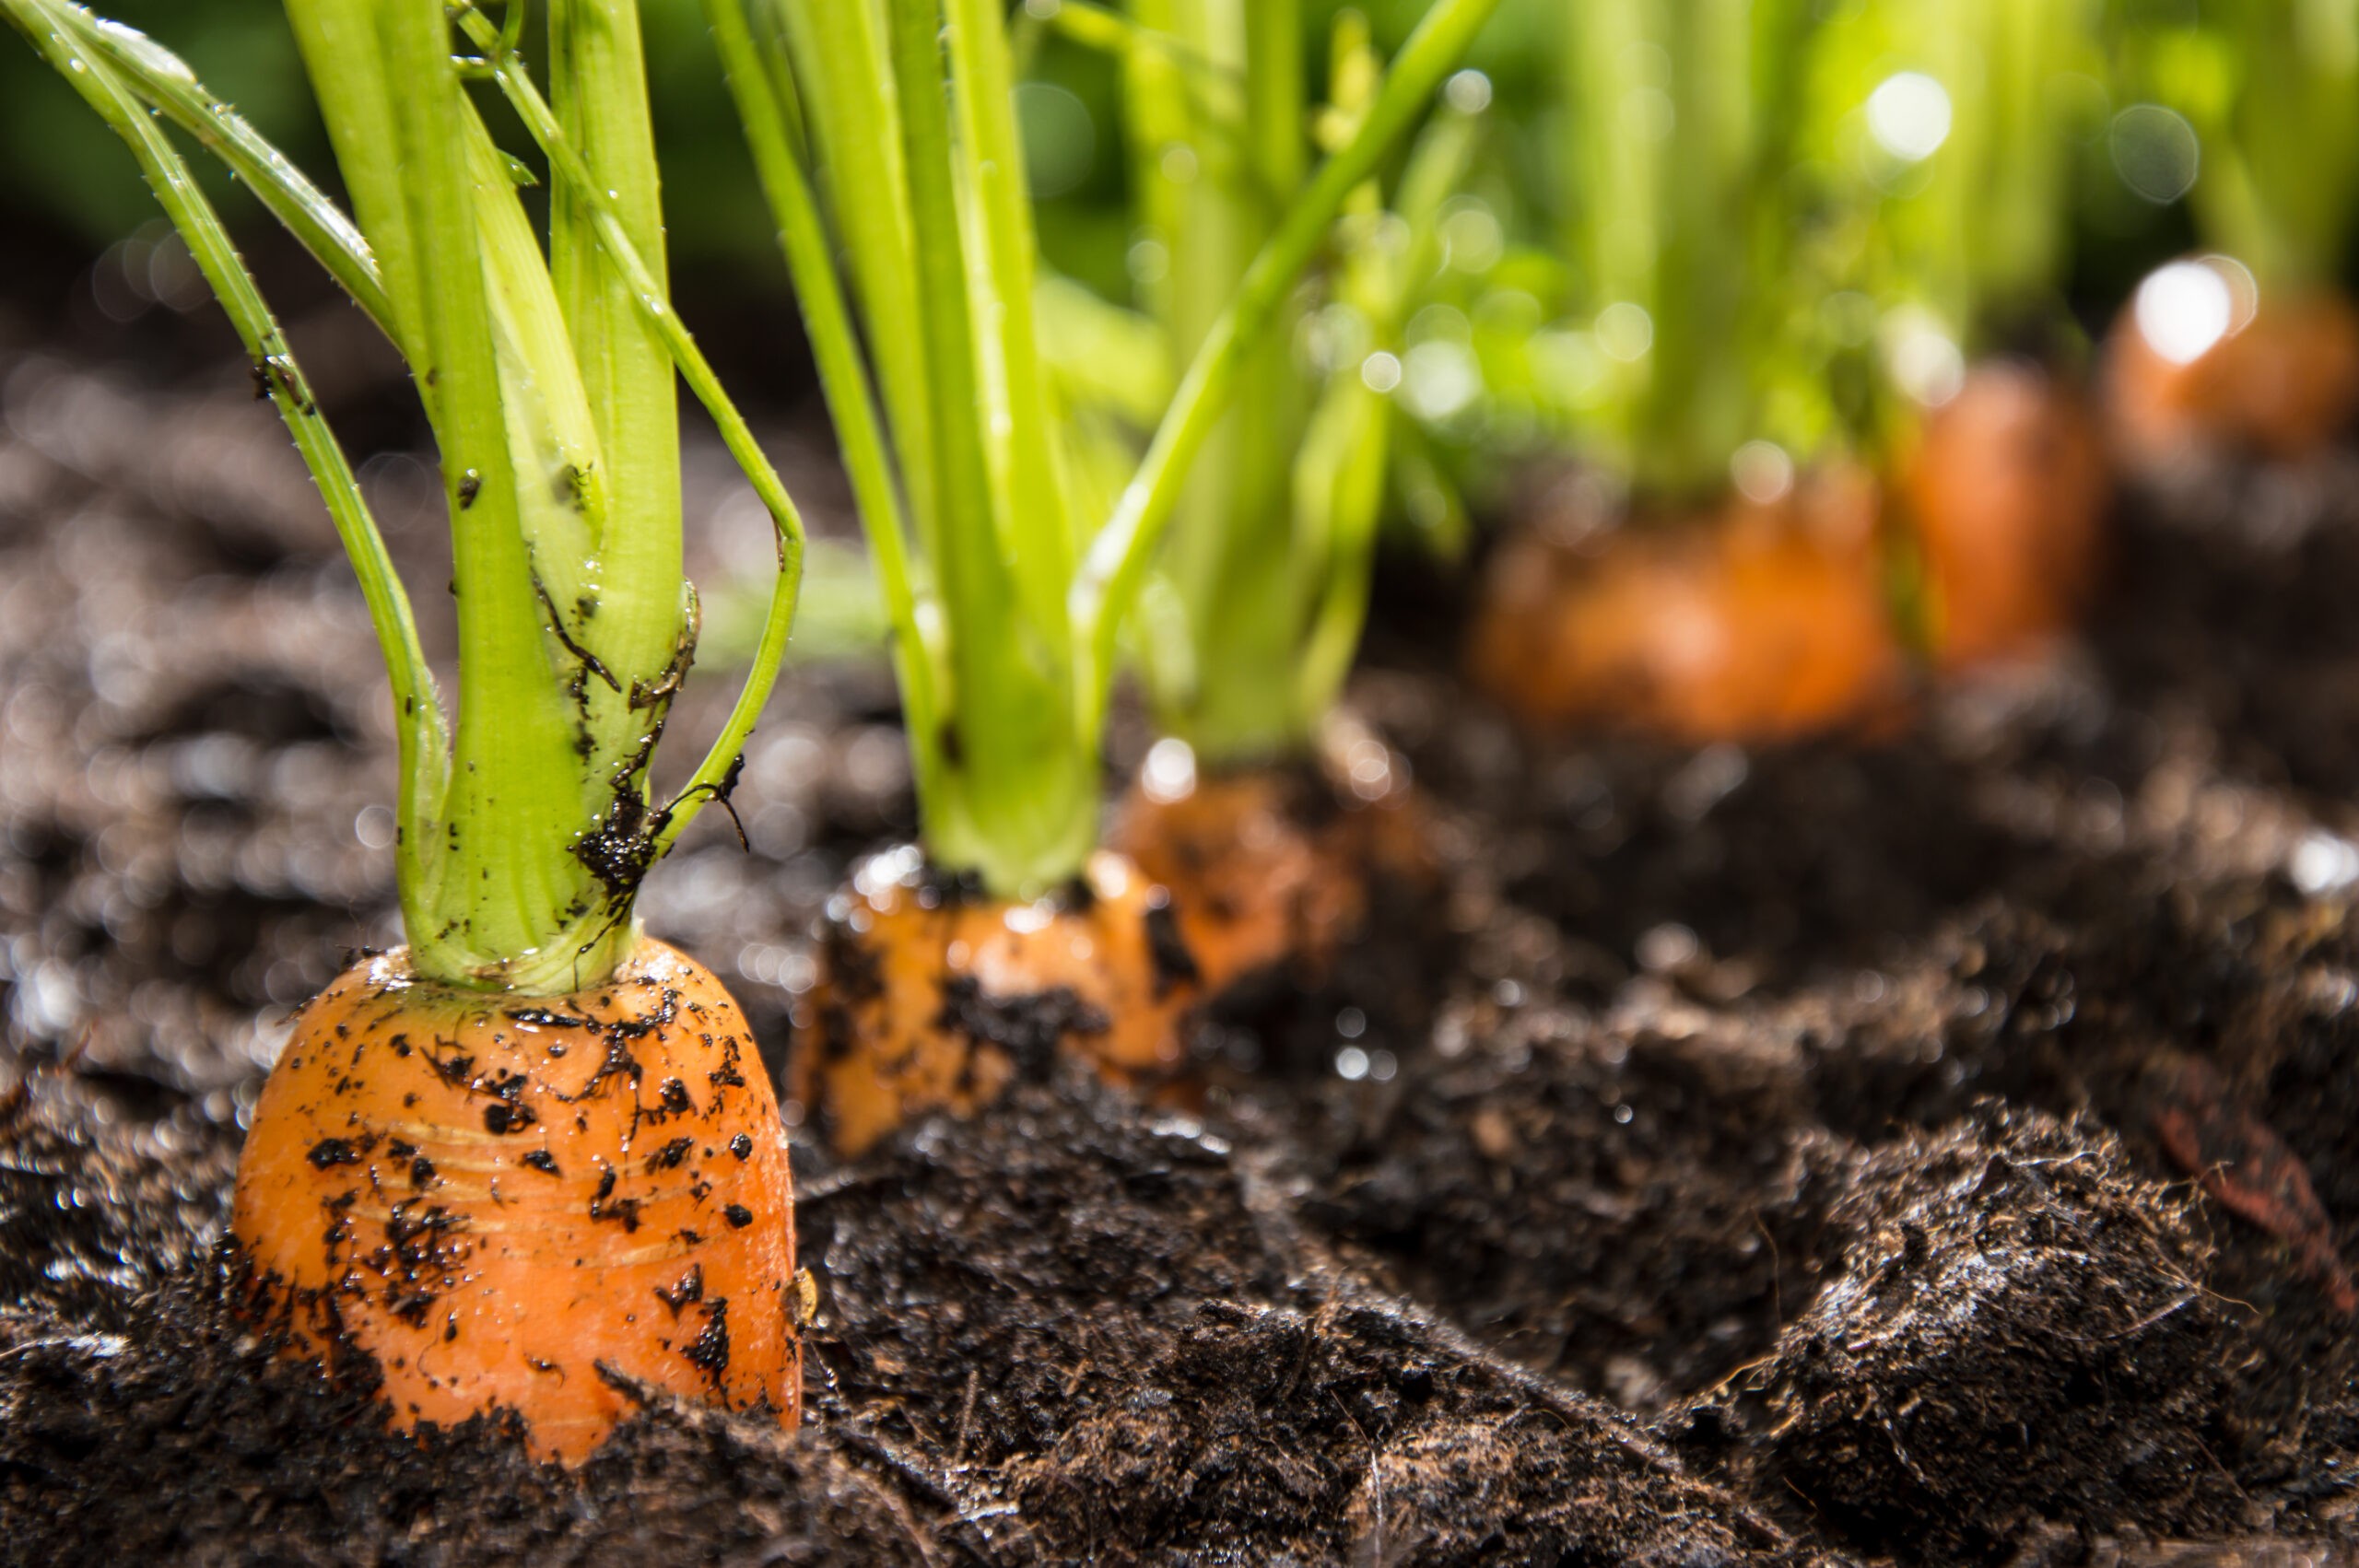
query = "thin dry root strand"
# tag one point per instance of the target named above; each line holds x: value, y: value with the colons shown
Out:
x: 496, y: 1197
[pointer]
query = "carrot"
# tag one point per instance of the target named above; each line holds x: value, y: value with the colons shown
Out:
x: 532, y: 1151
x: 500, y: 1192
x: 935, y: 996
x: 2281, y: 384
x: 2006, y: 492
x: 913, y: 255
x: 1265, y: 870
x: 1761, y: 621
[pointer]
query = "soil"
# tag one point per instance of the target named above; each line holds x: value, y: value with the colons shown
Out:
x: 1937, y: 1147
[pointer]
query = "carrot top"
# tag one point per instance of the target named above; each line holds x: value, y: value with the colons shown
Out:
x: 886, y: 134
x: 1248, y: 624
x: 2270, y: 92
x: 526, y: 820
x: 1690, y: 225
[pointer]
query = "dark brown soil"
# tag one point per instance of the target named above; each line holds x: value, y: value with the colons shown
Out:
x: 1938, y: 1149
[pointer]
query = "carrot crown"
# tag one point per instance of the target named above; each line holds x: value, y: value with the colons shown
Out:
x: 1248, y: 624
x: 526, y: 823
x: 886, y: 133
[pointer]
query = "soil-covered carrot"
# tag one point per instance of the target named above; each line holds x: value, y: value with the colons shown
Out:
x: 532, y: 1148
x: 939, y: 996
x: 904, y: 159
x: 528, y: 1193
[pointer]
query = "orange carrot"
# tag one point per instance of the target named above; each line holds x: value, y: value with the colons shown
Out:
x: 1761, y: 621
x: 2281, y: 384
x: 933, y: 997
x: 1263, y: 872
x: 500, y: 1196
x: 2006, y: 492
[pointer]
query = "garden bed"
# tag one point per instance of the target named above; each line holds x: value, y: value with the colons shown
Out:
x: 1935, y: 1148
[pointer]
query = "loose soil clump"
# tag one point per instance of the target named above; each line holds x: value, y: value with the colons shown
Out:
x: 2018, y: 1333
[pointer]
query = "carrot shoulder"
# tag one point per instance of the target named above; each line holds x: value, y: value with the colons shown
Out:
x: 502, y: 1197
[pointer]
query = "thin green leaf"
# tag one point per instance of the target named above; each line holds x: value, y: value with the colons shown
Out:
x: 1118, y: 558
x: 164, y: 80
x: 55, y: 30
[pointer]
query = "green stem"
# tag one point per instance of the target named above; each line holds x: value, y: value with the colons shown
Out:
x: 1015, y: 786
x: 1030, y: 501
x: 2286, y: 149
x: 1117, y: 561
x: 652, y: 305
x: 599, y: 95
x: 854, y: 113
x: 62, y: 34
x: 1216, y: 677
x: 509, y: 901
x: 827, y: 319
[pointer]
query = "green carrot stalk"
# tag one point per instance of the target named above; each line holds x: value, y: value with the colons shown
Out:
x: 526, y: 825
x: 2272, y: 87
x: 1254, y: 609
x: 905, y: 160
x: 1962, y: 178
x: 1681, y: 128
x: 1213, y: 177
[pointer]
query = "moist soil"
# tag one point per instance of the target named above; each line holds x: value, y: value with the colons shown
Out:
x: 1935, y: 1147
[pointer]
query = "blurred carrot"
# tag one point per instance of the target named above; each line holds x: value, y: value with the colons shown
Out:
x: 2006, y: 493
x: 1760, y: 621
x: 2281, y: 384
